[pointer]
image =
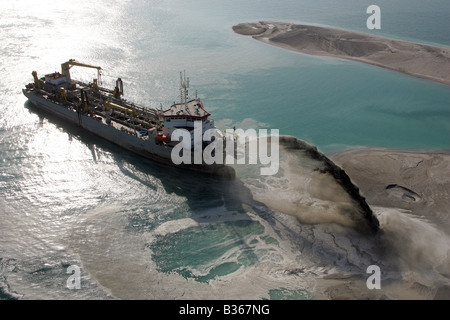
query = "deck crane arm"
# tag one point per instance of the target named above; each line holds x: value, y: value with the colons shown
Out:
x: 65, y: 67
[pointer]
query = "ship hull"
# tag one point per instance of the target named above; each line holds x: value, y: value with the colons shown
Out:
x: 147, y: 148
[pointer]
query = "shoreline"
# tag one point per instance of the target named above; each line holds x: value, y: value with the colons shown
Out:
x: 414, y: 59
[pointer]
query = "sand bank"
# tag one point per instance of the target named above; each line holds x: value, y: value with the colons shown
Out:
x: 413, y: 181
x: 424, y: 61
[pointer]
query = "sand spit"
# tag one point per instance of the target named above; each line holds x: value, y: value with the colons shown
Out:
x: 419, y: 60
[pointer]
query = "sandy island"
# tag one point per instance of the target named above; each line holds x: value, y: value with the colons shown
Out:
x: 419, y: 60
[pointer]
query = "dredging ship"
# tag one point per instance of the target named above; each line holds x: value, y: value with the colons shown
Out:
x: 104, y: 112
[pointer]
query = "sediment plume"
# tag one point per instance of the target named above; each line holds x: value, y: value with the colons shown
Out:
x: 338, y: 173
x: 312, y: 188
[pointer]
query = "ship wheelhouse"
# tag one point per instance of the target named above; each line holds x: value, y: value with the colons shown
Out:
x: 184, y: 116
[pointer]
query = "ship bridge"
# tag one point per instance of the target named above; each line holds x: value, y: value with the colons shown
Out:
x: 183, y: 115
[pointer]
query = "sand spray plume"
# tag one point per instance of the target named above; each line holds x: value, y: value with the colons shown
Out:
x: 312, y: 188
x: 415, y: 242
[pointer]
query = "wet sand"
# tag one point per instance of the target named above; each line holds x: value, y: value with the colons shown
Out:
x: 419, y: 60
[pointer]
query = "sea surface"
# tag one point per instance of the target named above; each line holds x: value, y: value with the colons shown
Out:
x: 140, y: 230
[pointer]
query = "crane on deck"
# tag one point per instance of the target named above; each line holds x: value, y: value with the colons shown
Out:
x: 65, y: 69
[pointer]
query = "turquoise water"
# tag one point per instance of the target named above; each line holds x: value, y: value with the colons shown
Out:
x: 332, y: 103
x: 333, y: 109
x: 140, y: 230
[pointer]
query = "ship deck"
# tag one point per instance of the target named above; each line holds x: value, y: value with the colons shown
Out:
x: 90, y: 101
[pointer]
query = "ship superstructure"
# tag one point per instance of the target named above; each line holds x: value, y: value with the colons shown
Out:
x: 106, y: 113
x: 183, y: 115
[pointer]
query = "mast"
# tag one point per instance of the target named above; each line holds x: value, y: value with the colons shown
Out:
x: 184, y: 85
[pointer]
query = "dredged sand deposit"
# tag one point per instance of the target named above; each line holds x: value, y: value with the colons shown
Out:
x: 413, y: 181
x: 416, y: 185
x: 419, y: 60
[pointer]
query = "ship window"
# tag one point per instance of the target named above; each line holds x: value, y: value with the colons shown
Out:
x: 168, y: 120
